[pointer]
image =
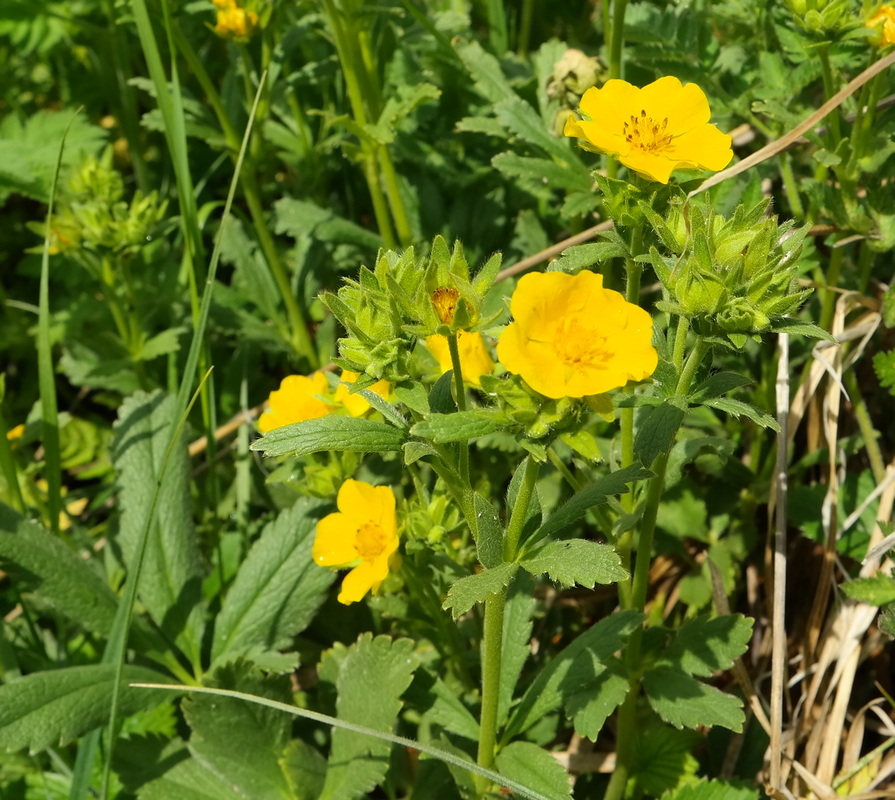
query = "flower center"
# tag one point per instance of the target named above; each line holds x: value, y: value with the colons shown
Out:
x: 369, y: 541
x: 445, y: 298
x: 647, y: 134
x: 577, y: 343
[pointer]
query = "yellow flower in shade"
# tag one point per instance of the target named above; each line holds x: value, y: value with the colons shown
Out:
x: 15, y: 433
x: 355, y: 404
x: 475, y: 360
x: 362, y: 534
x: 885, y: 20
x: 295, y: 401
x: 571, y: 337
x: 235, y: 22
x: 654, y: 130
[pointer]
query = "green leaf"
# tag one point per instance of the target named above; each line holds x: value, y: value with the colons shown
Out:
x: 370, y: 678
x: 242, y: 743
x: 277, y: 589
x: 576, y: 561
x: 305, y: 770
x: 683, y: 701
x: 456, y: 427
x: 56, y: 706
x: 657, y: 431
x: 795, y: 326
x: 741, y: 409
x: 663, y: 759
x: 468, y: 591
x: 584, y: 256
x: 522, y: 119
x: 485, y: 71
x: 877, y: 591
x: 535, y: 768
x: 187, y: 779
x: 331, y: 434
x: 718, y: 384
x: 414, y: 397
x: 170, y: 580
x: 576, y: 667
x: 449, y: 712
x: 489, y: 532
x: 516, y: 642
x: 541, y: 175
x: 41, y: 563
x: 714, y: 790
x: 594, y: 494
x: 591, y: 707
x: 441, y: 401
x: 704, y: 645
x: 167, y: 341
x: 414, y: 451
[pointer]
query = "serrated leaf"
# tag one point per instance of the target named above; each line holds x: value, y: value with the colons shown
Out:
x: 468, y: 591
x: 239, y: 742
x: 187, y: 779
x: 522, y: 119
x: 877, y: 591
x: 656, y: 432
x: 449, y: 712
x: 414, y: 397
x: 414, y: 451
x: 663, y: 759
x: 577, y: 666
x: 799, y: 328
x: 489, y: 532
x: 331, y: 434
x: 485, y: 71
x: 41, y: 563
x: 534, y: 768
x: 594, y: 494
x: 167, y: 341
x: 541, y: 173
x: 714, y: 790
x: 584, y: 256
x: 277, y: 589
x: 576, y: 561
x: 456, y: 427
x: 371, y: 677
x: 703, y: 645
x: 718, y: 384
x: 516, y: 641
x: 591, y: 707
x: 741, y: 409
x: 170, y: 580
x: 683, y: 701
x: 56, y: 706
x: 305, y: 770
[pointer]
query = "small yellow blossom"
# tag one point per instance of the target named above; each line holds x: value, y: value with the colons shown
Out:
x: 571, y: 337
x: 235, y: 22
x: 475, y: 360
x: 73, y: 508
x: 445, y: 298
x: 354, y: 404
x: 15, y: 433
x: 884, y: 19
x: 654, y: 130
x: 297, y: 399
x: 363, y: 534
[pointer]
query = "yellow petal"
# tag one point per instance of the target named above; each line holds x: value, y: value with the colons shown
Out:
x: 296, y: 400
x: 334, y: 541
x: 359, y: 581
x: 362, y: 503
x: 705, y: 146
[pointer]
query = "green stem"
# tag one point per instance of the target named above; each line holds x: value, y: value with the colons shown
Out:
x: 826, y: 71
x: 460, y: 391
x: 791, y: 186
x: 8, y: 467
x: 395, y: 200
x: 616, y: 37
x: 828, y: 301
x: 492, y: 647
x: 524, y: 36
x: 680, y: 343
x: 865, y: 425
x: 865, y: 264
x: 520, y: 509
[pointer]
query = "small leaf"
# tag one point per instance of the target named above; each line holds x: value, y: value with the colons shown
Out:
x: 441, y: 401
x: 592, y: 495
x: 656, y: 432
x: 741, y: 409
x: 414, y: 451
x: 468, y: 591
x: 683, y: 701
x: 576, y: 561
x: 718, y: 384
x: 877, y: 591
x: 534, y: 768
x: 456, y: 427
x: 704, y: 645
x: 489, y: 532
x: 449, y: 712
x: 331, y: 434
x: 591, y: 707
x: 800, y: 328
x: 714, y: 790
x: 414, y: 397
x: 663, y: 759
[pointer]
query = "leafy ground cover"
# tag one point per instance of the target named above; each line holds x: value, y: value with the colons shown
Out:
x: 442, y: 399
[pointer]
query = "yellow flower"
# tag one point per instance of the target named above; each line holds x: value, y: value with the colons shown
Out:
x: 654, y: 130
x: 15, y: 433
x: 236, y: 22
x: 295, y: 401
x: 355, y: 404
x: 571, y: 337
x: 885, y: 20
x: 363, y: 534
x: 445, y: 298
x: 475, y: 360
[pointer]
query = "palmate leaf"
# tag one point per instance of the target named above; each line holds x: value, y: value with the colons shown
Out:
x: 55, y: 707
x: 277, y: 589
x: 370, y: 677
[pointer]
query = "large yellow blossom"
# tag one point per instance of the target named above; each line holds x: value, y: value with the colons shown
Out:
x: 885, y: 19
x: 654, y: 130
x: 475, y: 360
x: 297, y: 399
x: 571, y: 337
x: 362, y: 534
